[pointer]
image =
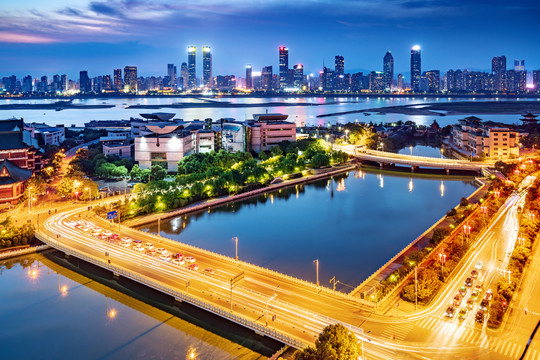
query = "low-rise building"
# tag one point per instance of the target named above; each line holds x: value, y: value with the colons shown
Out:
x: 46, y: 134
x: 265, y: 131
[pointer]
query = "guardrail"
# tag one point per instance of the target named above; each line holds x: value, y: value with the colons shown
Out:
x: 177, y: 294
x: 251, y: 266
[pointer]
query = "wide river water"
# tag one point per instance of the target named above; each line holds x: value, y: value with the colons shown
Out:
x: 352, y: 224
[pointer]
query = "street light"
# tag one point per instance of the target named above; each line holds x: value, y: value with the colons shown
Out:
x: 442, y: 259
x: 266, y: 310
x: 416, y: 287
x: 316, y: 261
x: 442, y: 150
x: 236, y: 248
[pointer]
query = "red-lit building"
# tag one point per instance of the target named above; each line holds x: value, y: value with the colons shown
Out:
x: 19, y: 159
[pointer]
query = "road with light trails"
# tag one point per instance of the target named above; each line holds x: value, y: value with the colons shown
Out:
x: 303, y: 312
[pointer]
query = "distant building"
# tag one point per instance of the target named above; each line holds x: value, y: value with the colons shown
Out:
x: 84, y: 82
x: 339, y: 65
x: 298, y: 76
x: 498, y: 70
x: 266, y: 78
x: 265, y: 131
x: 207, y: 67
x: 388, y: 70
x: 171, y: 73
x: 416, y: 68
x: 46, y: 134
x: 249, y: 78
x: 326, y: 79
x: 434, y: 81
x: 184, y: 75
x: 192, y: 68
x: 536, y: 80
x: 283, y: 67
x: 118, y: 83
x: 130, y: 79
x: 376, y: 81
x: 229, y: 135
x: 400, y: 82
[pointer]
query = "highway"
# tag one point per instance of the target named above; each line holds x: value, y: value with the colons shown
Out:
x: 301, y: 311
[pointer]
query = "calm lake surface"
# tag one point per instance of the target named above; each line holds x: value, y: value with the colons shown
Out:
x: 303, y: 115
x: 352, y: 224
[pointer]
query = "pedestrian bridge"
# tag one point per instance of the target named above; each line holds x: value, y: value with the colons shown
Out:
x: 384, y: 158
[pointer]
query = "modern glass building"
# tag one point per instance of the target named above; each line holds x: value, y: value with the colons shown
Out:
x: 416, y: 68
x: 207, y: 66
x: 283, y: 67
x: 192, y: 74
x: 388, y: 70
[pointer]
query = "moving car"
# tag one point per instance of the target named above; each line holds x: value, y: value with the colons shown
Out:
x: 463, y: 290
x: 470, y: 303
x: 162, y: 251
x: 479, y: 265
x: 178, y: 256
x: 210, y: 271
x: 474, y: 274
x: 484, y: 304
x: 474, y: 295
x: 488, y: 295
x: 457, y: 300
x: 450, y: 312
x: 479, y: 316
x: 469, y: 282
x: 178, y: 261
x: 165, y: 257
x: 138, y: 248
x: 463, y: 313
x: 189, y: 259
x: 193, y: 267
x: 151, y: 252
x: 148, y: 246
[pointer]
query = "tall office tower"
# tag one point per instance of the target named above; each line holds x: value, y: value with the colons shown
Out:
x: 298, y: 76
x: 249, y: 78
x: 56, y: 83
x: 521, y: 75
x: 64, y: 82
x: 118, y: 83
x: 43, y: 85
x: 184, y: 75
x: 266, y: 78
x: 433, y: 81
x: 536, y: 80
x: 450, y: 80
x: 207, y: 66
x: 107, y: 82
x: 339, y: 65
x: 498, y: 69
x: 283, y: 67
x: 327, y: 79
x: 388, y: 70
x: 519, y: 65
x: 171, y: 73
x: 192, y: 69
x: 84, y: 82
x: 400, y: 81
x: 130, y: 79
x: 27, y: 84
x: 459, y: 80
x: 416, y: 68
x: 510, y: 81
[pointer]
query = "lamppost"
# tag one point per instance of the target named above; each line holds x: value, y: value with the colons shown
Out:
x: 506, y: 272
x: 347, y: 135
x: 410, y: 149
x: 316, y: 261
x: 442, y: 259
x: 442, y: 150
x: 236, y: 249
x: 466, y: 231
x: 266, y: 310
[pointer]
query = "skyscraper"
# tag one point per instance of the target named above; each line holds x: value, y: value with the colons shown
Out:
x: 192, y: 74
x: 536, y: 80
x: 171, y: 73
x: 388, y: 70
x: 64, y: 82
x: 339, y: 65
x: 298, y: 76
x: 416, y: 68
x: 84, y: 82
x: 207, y: 66
x: 498, y: 69
x: 266, y: 78
x: 130, y: 79
x: 184, y: 75
x: 118, y: 83
x: 249, y: 78
x: 434, y: 81
x: 400, y: 81
x: 283, y: 67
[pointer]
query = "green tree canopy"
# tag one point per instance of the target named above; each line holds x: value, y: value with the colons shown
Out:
x: 335, y: 342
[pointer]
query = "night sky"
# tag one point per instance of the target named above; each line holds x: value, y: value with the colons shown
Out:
x: 45, y: 37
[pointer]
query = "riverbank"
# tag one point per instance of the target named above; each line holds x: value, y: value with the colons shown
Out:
x: 325, y: 173
x: 18, y: 252
x: 452, y: 108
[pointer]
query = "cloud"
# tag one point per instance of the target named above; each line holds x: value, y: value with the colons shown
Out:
x: 11, y: 37
x: 104, y: 9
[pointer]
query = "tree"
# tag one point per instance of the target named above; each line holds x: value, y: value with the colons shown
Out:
x: 36, y: 185
x: 320, y: 160
x: 135, y: 173
x: 65, y: 188
x: 57, y: 160
x: 157, y: 172
x: 335, y: 342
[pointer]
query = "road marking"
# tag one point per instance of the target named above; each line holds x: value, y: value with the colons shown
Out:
x: 507, y: 348
x: 518, y: 351
x: 499, y: 346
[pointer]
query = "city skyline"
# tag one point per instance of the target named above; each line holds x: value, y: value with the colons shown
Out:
x: 98, y: 37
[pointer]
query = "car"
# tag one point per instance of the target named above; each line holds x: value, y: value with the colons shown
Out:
x: 210, y: 271
x: 474, y: 295
x: 470, y: 303
x: 138, y: 248
x: 148, y: 246
x: 125, y: 238
x: 193, y: 267
x: 178, y: 261
x: 457, y: 300
x: 462, y: 290
x: 479, y: 288
x: 469, y: 282
x: 484, y: 304
x: 137, y: 242
x: 165, y: 257
x: 474, y: 274
x: 115, y: 236
x: 450, y: 312
x: 178, y: 256
x: 125, y: 243
x: 151, y: 252
x: 162, y: 251
x: 189, y: 259
x: 488, y: 295
x: 479, y: 265
x: 479, y: 318
x: 463, y: 313
x: 107, y: 233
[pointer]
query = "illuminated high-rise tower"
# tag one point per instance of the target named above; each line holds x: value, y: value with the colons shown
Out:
x: 192, y: 74
x: 498, y: 70
x: 207, y: 66
x: 339, y: 65
x: 249, y: 78
x: 283, y: 67
x: 416, y: 68
x: 118, y: 83
x: 130, y: 79
x: 388, y: 70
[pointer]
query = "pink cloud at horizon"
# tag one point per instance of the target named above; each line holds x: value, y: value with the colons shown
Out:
x: 11, y: 37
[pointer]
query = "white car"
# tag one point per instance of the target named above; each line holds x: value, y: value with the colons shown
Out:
x: 148, y: 246
x: 162, y: 251
x: 479, y: 265
x: 190, y: 259
x: 165, y: 257
x: 139, y: 248
x: 178, y: 261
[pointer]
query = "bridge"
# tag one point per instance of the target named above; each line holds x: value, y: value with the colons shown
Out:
x: 384, y: 158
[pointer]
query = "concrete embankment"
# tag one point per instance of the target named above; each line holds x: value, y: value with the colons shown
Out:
x: 18, y: 252
x: 233, y: 198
